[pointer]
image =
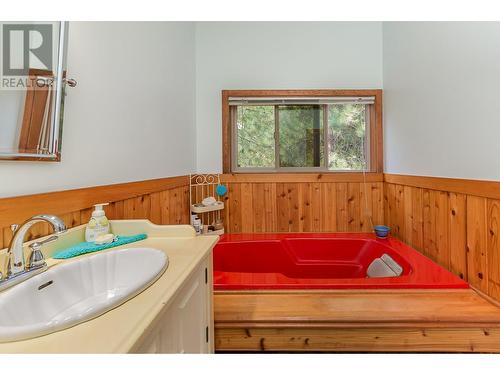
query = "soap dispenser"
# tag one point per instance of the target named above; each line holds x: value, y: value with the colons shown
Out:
x: 98, y: 224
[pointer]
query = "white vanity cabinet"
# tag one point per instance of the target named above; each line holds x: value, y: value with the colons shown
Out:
x: 186, y: 326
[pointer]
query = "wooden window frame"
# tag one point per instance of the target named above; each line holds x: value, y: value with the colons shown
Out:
x: 375, y: 124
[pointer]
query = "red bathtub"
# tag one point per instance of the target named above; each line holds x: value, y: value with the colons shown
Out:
x: 320, y: 261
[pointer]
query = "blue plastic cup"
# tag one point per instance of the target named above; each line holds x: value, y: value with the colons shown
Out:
x: 381, y: 231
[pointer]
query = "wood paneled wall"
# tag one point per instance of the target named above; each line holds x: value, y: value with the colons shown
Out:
x: 163, y: 201
x: 454, y: 222
x: 255, y: 203
x: 302, y: 202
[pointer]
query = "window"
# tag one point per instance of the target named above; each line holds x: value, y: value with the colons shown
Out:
x: 300, y: 132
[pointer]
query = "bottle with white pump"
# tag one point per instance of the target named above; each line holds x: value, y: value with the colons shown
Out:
x: 98, y: 224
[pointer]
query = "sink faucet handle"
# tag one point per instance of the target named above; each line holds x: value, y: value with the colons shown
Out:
x: 36, y: 257
x: 14, y: 227
x: 47, y: 240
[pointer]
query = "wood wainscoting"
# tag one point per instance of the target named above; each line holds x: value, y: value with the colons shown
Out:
x: 303, y: 202
x: 455, y: 222
x: 163, y: 201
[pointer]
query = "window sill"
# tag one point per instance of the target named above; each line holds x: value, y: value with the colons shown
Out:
x: 302, y: 177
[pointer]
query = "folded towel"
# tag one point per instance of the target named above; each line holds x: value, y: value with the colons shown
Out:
x: 90, y: 247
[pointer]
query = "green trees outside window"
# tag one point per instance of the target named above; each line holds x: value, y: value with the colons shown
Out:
x: 296, y: 136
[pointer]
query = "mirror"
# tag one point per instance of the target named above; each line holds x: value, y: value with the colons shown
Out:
x: 32, y: 84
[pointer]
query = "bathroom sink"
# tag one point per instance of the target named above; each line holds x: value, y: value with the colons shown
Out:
x: 77, y: 291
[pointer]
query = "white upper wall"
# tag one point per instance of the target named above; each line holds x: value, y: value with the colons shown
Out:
x: 132, y: 115
x: 277, y: 55
x: 441, y: 85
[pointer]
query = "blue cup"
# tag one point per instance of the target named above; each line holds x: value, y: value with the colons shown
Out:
x: 381, y: 231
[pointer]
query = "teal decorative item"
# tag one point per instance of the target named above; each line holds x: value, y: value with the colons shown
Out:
x: 221, y: 190
x: 90, y: 247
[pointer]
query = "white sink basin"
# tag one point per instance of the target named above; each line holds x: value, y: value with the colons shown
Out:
x: 77, y: 291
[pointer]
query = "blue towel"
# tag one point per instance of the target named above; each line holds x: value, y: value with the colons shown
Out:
x: 90, y: 247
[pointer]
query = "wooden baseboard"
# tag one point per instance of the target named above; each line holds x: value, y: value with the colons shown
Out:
x: 358, y: 340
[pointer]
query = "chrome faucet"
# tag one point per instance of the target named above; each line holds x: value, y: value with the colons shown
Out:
x: 17, y: 269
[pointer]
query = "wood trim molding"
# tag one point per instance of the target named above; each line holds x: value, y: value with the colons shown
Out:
x: 357, y: 340
x: 314, y: 92
x: 226, y: 132
x: 357, y: 308
x: 17, y: 209
x: 301, y: 177
x: 480, y: 188
x: 376, y: 146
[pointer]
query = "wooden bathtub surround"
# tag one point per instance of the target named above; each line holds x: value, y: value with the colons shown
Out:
x: 455, y: 222
x: 356, y: 321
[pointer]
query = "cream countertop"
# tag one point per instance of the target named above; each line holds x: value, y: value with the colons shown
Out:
x: 118, y: 330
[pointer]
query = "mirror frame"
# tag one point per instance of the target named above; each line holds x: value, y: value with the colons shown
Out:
x: 55, y: 141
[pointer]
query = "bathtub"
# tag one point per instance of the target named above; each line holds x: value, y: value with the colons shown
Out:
x: 321, y: 261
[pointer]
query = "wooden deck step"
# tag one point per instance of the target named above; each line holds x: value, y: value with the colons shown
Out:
x: 357, y: 320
